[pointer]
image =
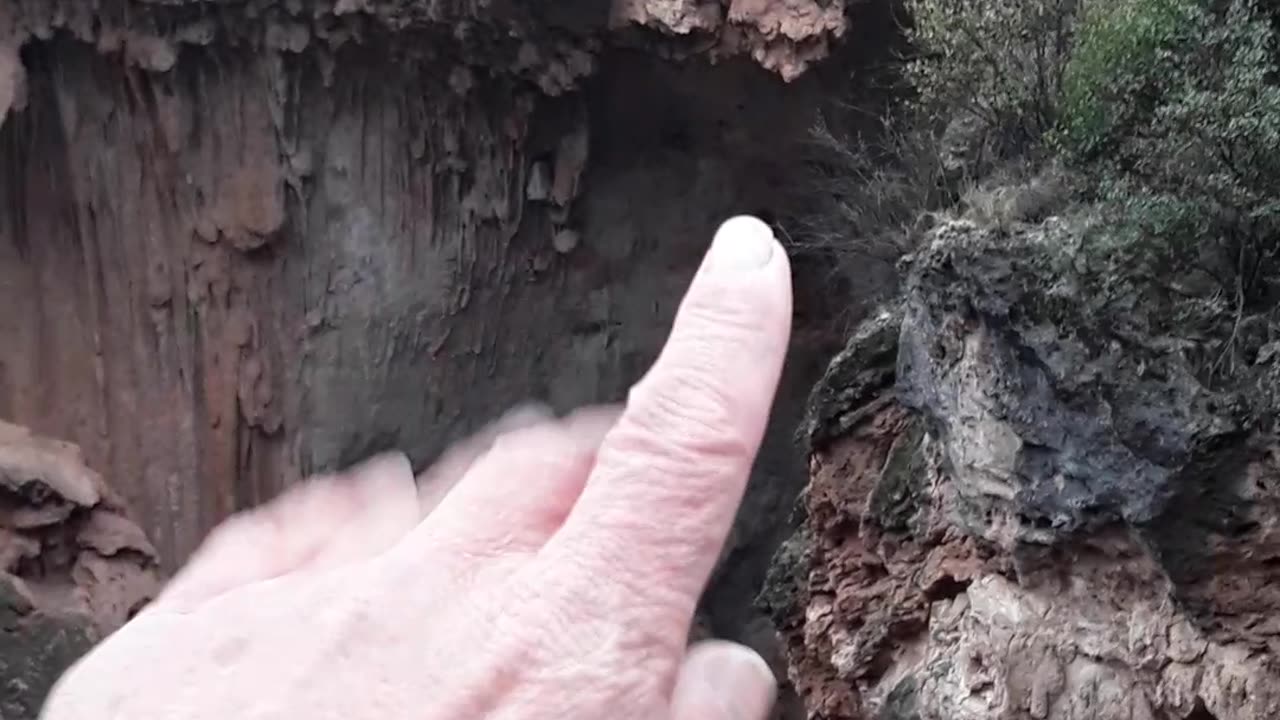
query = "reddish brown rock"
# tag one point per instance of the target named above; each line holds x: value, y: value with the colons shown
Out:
x: 1011, y: 514
x: 73, y: 567
x: 785, y: 36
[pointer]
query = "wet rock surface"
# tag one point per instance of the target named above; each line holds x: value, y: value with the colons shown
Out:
x: 1029, y: 509
x: 73, y: 566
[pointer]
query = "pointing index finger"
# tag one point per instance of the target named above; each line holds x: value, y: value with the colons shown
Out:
x: 670, y: 475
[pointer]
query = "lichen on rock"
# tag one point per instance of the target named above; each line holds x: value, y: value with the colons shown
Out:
x: 1028, y: 506
x: 1044, y: 409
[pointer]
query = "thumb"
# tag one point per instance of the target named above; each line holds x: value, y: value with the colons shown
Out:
x: 723, y: 681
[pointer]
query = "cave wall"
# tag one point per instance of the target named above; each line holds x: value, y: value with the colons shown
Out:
x: 243, y: 242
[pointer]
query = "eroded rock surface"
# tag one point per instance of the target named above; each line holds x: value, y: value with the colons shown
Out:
x: 248, y: 240
x: 552, y: 46
x: 785, y: 36
x: 73, y: 567
x: 1023, y: 504
x: 257, y: 239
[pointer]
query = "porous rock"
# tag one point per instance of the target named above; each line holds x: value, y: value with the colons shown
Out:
x: 1034, y: 511
x: 73, y: 567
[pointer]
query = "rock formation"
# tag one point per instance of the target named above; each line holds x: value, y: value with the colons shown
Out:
x: 243, y: 241
x: 1023, y: 504
x: 73, y: 567
x: 247, y: 240
x: 257, y: 239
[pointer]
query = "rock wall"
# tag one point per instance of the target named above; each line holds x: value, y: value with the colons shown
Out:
x: 1023, y: 504
x: 247, y: 240
x: 73, y: 566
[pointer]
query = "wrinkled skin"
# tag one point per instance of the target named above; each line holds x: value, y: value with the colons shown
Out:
x: 549, y: 568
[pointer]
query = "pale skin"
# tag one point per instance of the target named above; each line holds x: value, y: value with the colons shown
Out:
x: 547, y: 570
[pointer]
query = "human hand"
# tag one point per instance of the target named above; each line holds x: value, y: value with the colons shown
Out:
x: 552, y: 574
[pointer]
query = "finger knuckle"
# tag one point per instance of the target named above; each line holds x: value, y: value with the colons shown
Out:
x: 688, y: 417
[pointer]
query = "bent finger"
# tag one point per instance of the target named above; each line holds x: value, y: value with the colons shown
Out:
x: 384, y: 511
x: 435, y: 482
x: 331, y: 519
x: 517, y: 494
x: 325, y: 520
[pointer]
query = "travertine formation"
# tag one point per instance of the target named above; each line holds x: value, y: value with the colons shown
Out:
x: 1024, y: 505
x: 554, y: 47
x: 246, y: 240
x: 220, y: 218
x: 73, y: 567
x: 785, y: 36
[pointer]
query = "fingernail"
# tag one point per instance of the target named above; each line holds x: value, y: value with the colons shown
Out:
x: 741, y: 243
x: 740, y: 680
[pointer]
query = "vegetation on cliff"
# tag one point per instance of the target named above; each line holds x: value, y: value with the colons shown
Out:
x: 1043, y: 474
x: 1156, y: 123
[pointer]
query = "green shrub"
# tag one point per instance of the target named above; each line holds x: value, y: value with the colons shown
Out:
x: 1169, y: 113
x: 993, y: 68
x: 1000, y: 61
x: 1163, y: 116
x: 1119, y: 66
x: 1197, y: 178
